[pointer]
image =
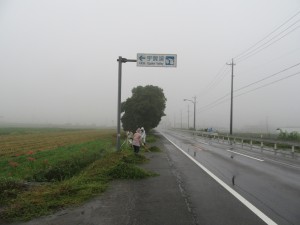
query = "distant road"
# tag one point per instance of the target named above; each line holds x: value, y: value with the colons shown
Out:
x: 271, y: 184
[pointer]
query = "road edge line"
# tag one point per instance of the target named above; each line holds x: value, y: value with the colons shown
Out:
x: 249, y: 205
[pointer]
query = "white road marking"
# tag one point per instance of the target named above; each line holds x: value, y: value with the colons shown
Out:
x: 255, y: 210
x: 246, y: 155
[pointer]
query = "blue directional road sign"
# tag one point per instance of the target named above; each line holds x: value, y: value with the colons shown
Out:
x: 156, y: 60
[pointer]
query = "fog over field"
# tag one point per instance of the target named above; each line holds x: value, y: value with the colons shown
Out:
x: 58, y: 60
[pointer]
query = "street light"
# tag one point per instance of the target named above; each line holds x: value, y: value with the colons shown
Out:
x: 194, y: 102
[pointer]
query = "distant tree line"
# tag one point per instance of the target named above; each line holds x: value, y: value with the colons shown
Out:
x: 292, y: 136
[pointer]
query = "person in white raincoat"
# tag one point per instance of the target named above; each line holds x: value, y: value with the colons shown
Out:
x: 143, y: 133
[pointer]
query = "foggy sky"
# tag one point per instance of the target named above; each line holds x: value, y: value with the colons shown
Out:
x: 58, y: 60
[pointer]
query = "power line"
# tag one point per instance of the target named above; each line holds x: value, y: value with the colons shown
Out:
x: 240, y: 55
x: 219, y: 100
x: 276, y: 81
x: 226, y: 100
x: 254, y: 49
x: 272, y: 60
x: 221, y: 78
x: 221, y: 71
x: 259, y: 49
x: 216, y: 101
x: 216, y: 80
x: 267, y: 77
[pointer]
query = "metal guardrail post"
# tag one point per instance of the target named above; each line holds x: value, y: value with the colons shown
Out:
x: 230, y: 139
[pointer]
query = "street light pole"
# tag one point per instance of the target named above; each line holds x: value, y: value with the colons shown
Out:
x: 194, y: 102
x: 188, y: 117
x: 195, y: 113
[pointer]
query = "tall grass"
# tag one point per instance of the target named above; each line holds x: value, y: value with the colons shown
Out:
x: 37, y: 183
x: 43, y: 199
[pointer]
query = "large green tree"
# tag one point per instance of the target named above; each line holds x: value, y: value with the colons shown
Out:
x: 145, y: 108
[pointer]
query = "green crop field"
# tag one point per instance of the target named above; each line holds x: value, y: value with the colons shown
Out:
x: 44, y: 170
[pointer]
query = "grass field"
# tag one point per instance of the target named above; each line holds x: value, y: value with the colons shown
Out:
x: 43, y: 170
x: 16, y: 141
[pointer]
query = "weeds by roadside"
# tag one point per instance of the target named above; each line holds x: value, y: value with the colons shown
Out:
x: 25, y: 204
x: 35, y: 183
x: 154, y: 149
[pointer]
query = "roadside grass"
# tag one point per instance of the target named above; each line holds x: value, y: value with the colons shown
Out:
x: 39, y: 183
x: 151, y: 138
x: 49, y: 197
x: 154, y: 149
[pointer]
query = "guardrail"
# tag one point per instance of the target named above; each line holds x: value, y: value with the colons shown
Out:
x: 285, y: 148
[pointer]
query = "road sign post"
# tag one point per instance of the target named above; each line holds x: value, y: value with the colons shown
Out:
x: 143, y: 60
x: 120, y: 60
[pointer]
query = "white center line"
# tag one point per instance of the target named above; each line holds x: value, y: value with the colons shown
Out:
x: 246, y: 155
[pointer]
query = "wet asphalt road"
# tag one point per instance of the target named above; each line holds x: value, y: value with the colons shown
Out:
x: 269, y: 182
x: 182, y: 194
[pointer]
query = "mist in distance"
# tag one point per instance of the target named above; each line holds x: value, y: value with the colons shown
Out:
x: 58, y: 61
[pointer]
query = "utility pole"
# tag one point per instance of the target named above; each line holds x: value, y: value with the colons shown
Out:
x: 231, y: 103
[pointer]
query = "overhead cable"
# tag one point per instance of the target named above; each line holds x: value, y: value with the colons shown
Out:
x: 268, y: 84
x: 265, y: 85
x: 215, y: 81
x: 217, y: 101
x: 262, y: 47
x: 275, y: 74
x: 244, y: 52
